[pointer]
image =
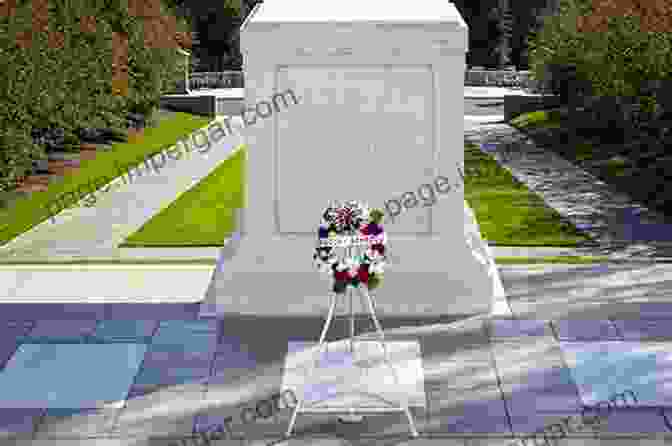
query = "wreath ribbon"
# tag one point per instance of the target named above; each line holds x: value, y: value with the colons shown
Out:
x: 346, y: 226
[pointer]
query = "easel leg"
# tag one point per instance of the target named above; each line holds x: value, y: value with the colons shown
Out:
x: 352, y: 324
x: 351, y: 418
x: 320, y: 344
x: 379, y: 329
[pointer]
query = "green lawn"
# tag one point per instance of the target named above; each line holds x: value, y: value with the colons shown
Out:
x: 507, y: 212
x: 564, y: 260
x: 24, y: 213
x: 539, y: 118
x: 203, y: 215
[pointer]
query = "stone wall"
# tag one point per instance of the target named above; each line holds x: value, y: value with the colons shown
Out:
x: 500, y: 78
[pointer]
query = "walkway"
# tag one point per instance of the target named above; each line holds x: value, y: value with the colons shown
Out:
x: 623, y: 228
x: 95, y: 232
x: 92, y: 234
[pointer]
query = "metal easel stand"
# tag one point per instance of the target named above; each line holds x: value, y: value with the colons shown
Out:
x: 399, y: 408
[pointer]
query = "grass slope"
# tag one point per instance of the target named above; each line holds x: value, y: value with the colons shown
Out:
x: 203, y: 215
x: 507, y: 212
x: 28, y: 212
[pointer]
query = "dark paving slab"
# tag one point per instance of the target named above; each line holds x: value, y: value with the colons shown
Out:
x: 526, y: 400
x: 60, y: 331
x: 152, y: 311
x: 16, y: 327
x: 232, y: 361
x: 514, y: 328
x: 52, y: 311
x: 473, y: 411
x: 124, y: 331
x: 585, y: 330
x: 645, y: 329
x: 554, y: 423
x: 632, y: 421
x: 662, y: 310
x: 18, y: 421
x: 8, y: 347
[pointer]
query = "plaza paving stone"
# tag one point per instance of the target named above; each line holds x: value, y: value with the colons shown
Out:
x: 472, y: 411
x: 503, y: 377
x: 69, y: 375
x: 231, y: 361
x: 603, y: 369
x: 71, y: 423
x: 645, y: 329
x: 631, y: 421
x: 17, y: 421
x: 125, y: 331
x: 61, y: 331
x: 173, y: 367
x: 514, y: 328
x: 585, y: 330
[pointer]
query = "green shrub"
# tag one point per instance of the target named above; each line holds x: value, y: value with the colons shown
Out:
x: 69, y: 86
x: 16, y: 154
x: 608, y: 71
x: 616, y: 62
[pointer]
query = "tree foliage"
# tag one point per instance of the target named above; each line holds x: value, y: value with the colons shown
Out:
x: 616, y: 53
x: 57, y: 73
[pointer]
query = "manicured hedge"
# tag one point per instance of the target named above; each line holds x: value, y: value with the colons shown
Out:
x: 616, y: 58
x: 57, y: 73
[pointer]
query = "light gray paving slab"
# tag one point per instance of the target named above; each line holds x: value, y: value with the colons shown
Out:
x: 160, y: 413
x: 516, y: 360
x: 98, y: 423
x: 93, y: 283
x: 458, y: 375
x: 585, y: 291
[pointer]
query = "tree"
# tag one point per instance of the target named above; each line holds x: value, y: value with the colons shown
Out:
x: 61, y: 61
x: 615, y: 52
x: 505, y: 30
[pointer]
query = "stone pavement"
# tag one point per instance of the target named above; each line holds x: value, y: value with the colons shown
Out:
x: 103, y: 283
x: 129, y: 375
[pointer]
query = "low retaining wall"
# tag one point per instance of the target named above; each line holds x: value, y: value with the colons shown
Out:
x: 500, y: 78
x: 210, y: 80
x: 198, y: 105
x: 472, y: 78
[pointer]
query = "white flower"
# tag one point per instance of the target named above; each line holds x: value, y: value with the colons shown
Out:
x: 377, y: 267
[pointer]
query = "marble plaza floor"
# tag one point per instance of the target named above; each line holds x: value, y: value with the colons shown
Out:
x: 139, y: 374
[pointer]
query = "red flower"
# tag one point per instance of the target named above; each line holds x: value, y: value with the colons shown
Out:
x: 363, y: 273
x: 342, y: 275
x: 379, y: 247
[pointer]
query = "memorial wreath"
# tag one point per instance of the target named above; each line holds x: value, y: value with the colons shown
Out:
x: 345, y: 226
